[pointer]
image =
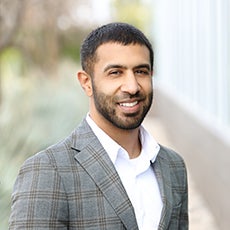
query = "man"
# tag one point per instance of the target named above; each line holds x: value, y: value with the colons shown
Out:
x: 109, y: 173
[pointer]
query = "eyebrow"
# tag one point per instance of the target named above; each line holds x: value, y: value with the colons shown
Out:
x: 117, y: 66
x: 114, y: 66
x: 146, y: 66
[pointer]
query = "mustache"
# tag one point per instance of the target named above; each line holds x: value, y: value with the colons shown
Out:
x: 126, y: 96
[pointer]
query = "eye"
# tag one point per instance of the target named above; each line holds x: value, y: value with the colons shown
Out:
x: 115, y: 72
x: 142, y: 72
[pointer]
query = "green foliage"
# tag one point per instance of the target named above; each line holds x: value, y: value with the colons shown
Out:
x: 70, y: 43
x: 11, y: 62
x: 135, y: 12
x: 71, y: 51
x: 36, y: 112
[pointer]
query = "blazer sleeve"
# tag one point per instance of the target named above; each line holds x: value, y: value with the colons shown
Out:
x: 179, y: 218
x: 38, y: 198
x: 184, y: 220
x: 171, y: 170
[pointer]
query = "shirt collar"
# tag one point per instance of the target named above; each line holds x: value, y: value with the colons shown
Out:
x: 150, y: 148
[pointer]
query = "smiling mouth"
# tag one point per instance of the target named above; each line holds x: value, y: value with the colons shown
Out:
x: 129, y: 104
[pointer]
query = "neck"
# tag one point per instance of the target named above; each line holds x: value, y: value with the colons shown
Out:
x: 127, y: 139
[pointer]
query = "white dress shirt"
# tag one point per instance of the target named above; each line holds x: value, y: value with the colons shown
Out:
x: 136, y: 175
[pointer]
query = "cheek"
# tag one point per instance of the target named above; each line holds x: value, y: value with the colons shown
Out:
x: 108, y: 87
x: 147, y: 85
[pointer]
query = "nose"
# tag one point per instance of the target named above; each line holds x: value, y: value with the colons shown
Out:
x: 130, y: 84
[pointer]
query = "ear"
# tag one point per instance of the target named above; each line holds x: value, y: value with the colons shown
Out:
x: 85, y: 82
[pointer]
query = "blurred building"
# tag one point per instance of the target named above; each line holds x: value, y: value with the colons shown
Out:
x: 192, y: 44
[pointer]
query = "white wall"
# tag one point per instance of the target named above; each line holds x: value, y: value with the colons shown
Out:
x: 192, y: 44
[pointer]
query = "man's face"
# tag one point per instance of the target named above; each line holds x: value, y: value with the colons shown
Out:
x: 122, y: 85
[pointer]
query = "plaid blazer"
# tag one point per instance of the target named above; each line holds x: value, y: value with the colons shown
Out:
x: 74, y: 185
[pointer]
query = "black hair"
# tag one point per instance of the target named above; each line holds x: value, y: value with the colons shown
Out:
x: 118, y: 32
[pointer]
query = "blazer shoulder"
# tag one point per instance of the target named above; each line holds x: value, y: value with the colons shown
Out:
x: 55, y: 155
x: 61, y: 154
x: 169, y: 154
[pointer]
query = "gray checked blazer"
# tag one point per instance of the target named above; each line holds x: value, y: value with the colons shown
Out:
x: 74, y: 185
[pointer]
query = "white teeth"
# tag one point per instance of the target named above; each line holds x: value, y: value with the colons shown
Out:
x: 129, y: 104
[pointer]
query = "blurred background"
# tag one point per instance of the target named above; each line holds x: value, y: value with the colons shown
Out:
x: 41, y: 101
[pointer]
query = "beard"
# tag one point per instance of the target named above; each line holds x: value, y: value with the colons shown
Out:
x: 107, y: 106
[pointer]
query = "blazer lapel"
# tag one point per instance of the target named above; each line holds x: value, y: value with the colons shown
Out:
x: 93, y: 158
x: 162, y: 172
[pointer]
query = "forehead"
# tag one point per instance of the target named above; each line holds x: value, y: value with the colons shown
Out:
x: 118, y: 53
